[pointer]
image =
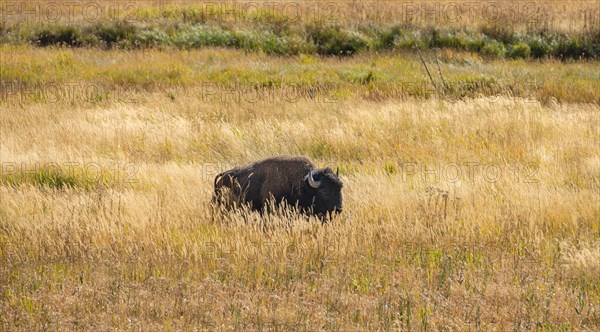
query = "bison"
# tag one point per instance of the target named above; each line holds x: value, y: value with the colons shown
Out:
x: 290, y: 180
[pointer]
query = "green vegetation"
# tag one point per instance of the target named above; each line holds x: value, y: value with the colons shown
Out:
x: 311, y: 39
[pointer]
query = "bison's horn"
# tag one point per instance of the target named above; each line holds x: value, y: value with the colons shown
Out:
x: 312, y: 182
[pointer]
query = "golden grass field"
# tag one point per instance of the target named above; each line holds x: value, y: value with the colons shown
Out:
x: 475, y: 208
x: 569, y: 15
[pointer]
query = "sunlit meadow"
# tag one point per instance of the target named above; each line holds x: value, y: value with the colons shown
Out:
x: 471, y: 198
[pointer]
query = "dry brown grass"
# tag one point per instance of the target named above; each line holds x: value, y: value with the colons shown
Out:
x: 565, y: 16
x: 413, y: 250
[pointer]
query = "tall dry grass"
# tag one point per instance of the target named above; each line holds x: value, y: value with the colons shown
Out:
x: 564, y: 16
x: 33, y: 75
x: 510, y: 241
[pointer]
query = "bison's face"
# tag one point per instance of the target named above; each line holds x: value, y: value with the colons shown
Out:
x: 327, y: 191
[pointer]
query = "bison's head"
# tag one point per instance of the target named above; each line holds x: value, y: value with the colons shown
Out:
x: 325, y: 191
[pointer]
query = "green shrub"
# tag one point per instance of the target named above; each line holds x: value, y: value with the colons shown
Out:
x: 519, y: 50
x: 195, y: 37
x: 148, y: 38
x: 456, y: 40
x: 571, y: 48
x: 445, y: 39
x: 247, y: 40
x: 116, y: 32
x: 409, y: 40
x: 286, y: 45
x: 58, y: 35
x: 540, y: 47
x: 386, y: 39
x: 90, y: 40
x: 335, y: 41
x: 493, y: 48
x: 501, y: 33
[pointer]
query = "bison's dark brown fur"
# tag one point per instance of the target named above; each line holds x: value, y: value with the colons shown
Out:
x: 282, y: 179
